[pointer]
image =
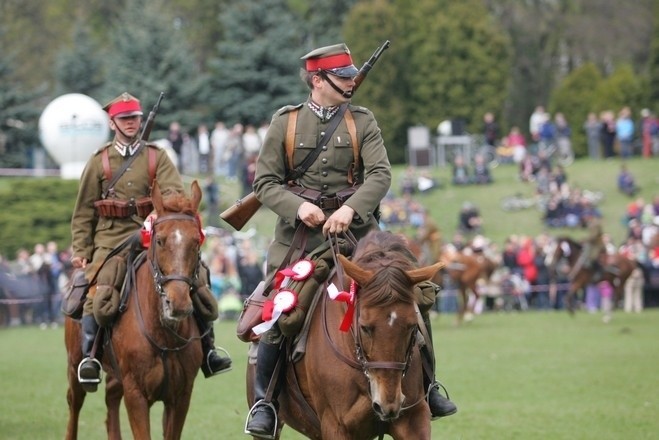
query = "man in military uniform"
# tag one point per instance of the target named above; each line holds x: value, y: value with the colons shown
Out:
x: 99, y: 228
x: 593, y: 249
x: 329, y: 73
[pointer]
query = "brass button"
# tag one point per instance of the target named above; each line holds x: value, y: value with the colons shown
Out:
x: 324, y: 160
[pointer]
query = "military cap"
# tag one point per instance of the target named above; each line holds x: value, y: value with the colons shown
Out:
x: 333, y: 59
x: 124, y: 105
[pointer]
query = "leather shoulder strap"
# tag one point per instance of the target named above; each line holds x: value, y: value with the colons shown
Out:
x: 105, y: 159
x: 290, y: 137
x: 352, y: 131
x: 152, y: 164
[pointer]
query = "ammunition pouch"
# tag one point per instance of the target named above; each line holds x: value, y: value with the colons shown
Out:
x: 109, y: 284
x: 323, y: 202
x: 116, y: 208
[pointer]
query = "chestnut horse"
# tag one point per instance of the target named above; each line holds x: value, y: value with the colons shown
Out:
x: 465, y: 271
x: 616, y: 269
x: 153, y: 351
x: 366, y: 381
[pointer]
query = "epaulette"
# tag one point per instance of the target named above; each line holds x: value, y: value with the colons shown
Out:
x: 358, y: 108
x: 102, y: 148
x: 288, y: 108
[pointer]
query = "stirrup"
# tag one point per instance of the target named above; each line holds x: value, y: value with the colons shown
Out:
x: 208, y: 356
x: 82, y: 380
x: 270, y: 405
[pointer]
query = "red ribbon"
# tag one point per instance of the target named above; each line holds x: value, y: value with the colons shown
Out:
x: 349, y: 299
x: 268, y: 308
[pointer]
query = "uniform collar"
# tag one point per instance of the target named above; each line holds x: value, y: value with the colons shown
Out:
x: 126, y: 150
x: 323, y: 113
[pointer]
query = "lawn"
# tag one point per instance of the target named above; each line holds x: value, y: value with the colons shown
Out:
x: 525, y: 376
x: 443, y: 205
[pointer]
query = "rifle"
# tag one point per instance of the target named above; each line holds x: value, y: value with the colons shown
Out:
x: 151, y: 119
x: 238, y: 214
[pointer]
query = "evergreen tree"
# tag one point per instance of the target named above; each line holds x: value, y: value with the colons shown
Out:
x: 150, y: 55
x: 653, y: 65
x: 79, y: 69
x: 19, y: 116
x: 255, y: 71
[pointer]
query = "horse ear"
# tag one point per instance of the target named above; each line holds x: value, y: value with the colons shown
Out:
x: 196, y: 195
x: 361, y: 276
x: 156, y: 197
x: 424, y: 273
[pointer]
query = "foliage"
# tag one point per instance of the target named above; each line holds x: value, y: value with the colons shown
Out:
x: 575, y: 98
x: 36, y: 211
x: 18, y: 116
x: 256, y: 72
x: 620, y: 89
x: 150, y: 55
x: 173, y: 45
x: 78, y: 69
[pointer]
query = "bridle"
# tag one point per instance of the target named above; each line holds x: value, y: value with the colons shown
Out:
x: 161, y: 279
x: 362, y: 363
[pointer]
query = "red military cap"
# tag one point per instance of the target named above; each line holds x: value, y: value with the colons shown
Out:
x: 334, y: 59
x: 124, y: 105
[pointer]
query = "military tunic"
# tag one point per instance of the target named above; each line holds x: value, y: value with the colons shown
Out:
x: 93, y: 237
x: 328, y: 173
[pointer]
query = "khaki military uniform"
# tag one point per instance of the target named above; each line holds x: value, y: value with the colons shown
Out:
x: 328, y: 174
x: 93, y: 237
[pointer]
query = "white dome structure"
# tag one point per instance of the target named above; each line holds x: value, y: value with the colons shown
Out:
x: 71, y: 128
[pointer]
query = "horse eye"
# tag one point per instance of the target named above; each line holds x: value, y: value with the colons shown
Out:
x: 160, y: 241
x: 366, y: 329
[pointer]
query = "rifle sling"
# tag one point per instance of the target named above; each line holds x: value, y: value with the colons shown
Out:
x: 311, y: 157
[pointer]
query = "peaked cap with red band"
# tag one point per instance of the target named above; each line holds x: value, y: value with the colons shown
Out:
x: 124, y: 105
x: 333, y: 59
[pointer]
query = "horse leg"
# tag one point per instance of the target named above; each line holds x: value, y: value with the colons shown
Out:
x: 113, y: 394
x: 137, y: 408
x: 75, y: 395
x: 462, y: 303
x: 414, y: 425
x: 174, y: 418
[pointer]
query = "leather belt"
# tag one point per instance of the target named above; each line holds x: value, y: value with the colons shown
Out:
x: 328, y: 203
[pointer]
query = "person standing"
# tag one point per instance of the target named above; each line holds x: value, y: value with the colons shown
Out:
x: 625, y: 132
x: 592, y: 127
x: 204, y: 149
x: 123, y: 196
x: 329, y: 73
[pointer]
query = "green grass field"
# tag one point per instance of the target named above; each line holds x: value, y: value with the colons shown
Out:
x: 513, y: 376
x: 443, y: 205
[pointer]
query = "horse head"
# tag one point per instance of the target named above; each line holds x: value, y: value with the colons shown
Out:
x: 174, y: 252
x: 385, y: 324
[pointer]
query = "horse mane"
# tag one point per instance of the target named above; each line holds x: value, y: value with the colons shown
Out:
x: 388, y: 256
x: 178, y: 202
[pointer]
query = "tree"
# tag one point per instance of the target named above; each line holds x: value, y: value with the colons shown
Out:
x: 575, y: 97
x: 150, y: 55
x: 79, y: 69
x: 255, y: 70
x: 19, y: 113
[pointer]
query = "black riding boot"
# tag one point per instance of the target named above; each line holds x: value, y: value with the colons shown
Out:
x: 89, y: 370
x: 440, y: 406
x: 213, y: 363
x: 263, y: 420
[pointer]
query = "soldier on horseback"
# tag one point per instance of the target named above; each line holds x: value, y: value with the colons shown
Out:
x: 594, y: 248
x: 351, y: 155
x: 111, y: 206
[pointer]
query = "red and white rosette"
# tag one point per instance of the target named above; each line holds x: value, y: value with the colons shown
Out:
x: 298, y: 271
x: 346, y: 297
x: 284, y: 301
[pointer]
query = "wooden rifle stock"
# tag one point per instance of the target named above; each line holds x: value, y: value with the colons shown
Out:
x: 241, y: 211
